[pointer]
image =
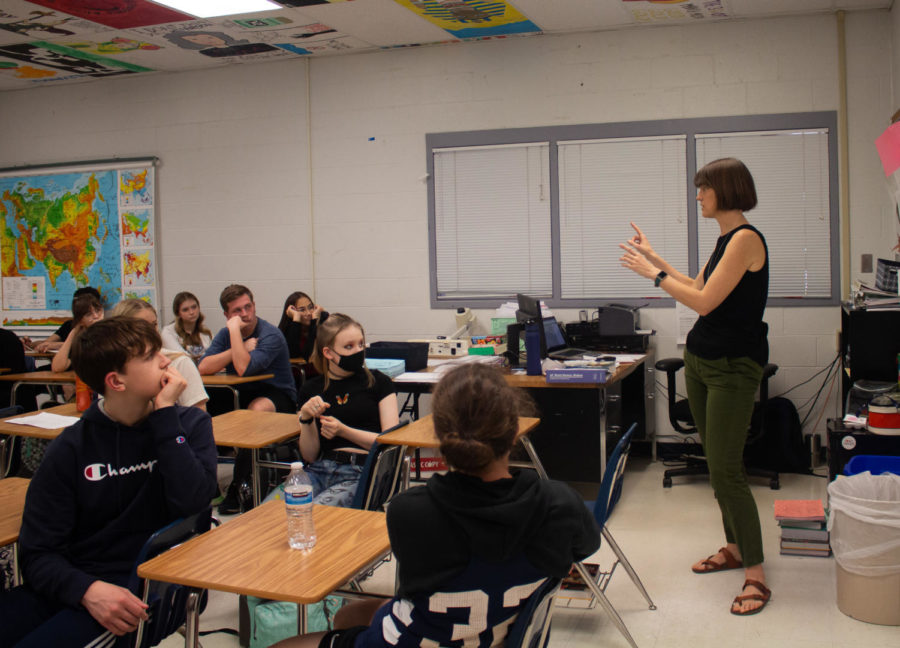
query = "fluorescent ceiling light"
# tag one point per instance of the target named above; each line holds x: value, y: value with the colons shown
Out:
x: 211, y: 8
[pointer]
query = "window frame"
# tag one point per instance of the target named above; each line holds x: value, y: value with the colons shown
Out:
x: 658, y: 128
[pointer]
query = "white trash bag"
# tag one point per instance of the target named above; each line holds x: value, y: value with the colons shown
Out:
x: 865, y: 523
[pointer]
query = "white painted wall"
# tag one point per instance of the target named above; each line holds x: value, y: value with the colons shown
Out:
x: 234, y: 173
x: 236, y: 186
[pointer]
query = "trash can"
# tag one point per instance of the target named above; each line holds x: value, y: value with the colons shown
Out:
x: 865, y: 538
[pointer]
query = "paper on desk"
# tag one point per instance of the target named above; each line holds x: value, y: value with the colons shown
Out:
x: 418, y: 377
x: 46, y: 420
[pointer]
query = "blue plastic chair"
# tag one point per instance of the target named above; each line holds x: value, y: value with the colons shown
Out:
x: 607, y: 496
x: 531, y: 629
x: 380, y: 478
x: 168, y: 603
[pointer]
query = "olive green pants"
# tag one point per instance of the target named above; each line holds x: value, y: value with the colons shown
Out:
x: 721, y: 394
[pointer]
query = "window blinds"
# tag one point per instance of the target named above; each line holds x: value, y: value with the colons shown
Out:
x: 790, y: 170
x: 606, y: 184
x: 492, y: 220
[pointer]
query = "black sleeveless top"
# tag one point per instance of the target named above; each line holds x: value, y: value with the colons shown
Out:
x: 735, y: 328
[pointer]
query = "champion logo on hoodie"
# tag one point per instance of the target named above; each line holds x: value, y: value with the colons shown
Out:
x: 98, y: 471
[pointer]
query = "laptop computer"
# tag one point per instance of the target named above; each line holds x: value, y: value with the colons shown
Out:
x: 557, y: 347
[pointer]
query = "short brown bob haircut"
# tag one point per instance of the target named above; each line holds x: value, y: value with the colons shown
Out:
x: 476, y: 416
x: 108, y: 345
x: 732, y: 182
x: 232, y: 292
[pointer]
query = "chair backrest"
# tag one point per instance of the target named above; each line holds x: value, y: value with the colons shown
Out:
x: 380, y: 476
x: 611, y: 486
x: 531, y: 629
x: 167, y: 602
x: 679, y: 412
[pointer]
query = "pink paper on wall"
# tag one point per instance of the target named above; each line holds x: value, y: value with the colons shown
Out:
x: 888, y: 145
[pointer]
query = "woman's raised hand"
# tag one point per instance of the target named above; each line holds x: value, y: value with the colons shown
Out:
x: 640, y: 242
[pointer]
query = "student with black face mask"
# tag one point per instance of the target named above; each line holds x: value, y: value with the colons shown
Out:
x: 343, y: 410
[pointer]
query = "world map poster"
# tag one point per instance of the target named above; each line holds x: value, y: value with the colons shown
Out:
x: 75, y: 227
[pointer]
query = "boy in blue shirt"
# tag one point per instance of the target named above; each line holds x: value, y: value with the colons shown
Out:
x: 248, y: 346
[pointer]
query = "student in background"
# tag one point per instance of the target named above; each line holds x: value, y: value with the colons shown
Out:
x: 12, y: 357
x: 86, y: 310
x: 134, y: 463
x: 187, y: 333
x: 299, y: 322
x: 248, y: 346
x: 724, y: 357
x: 344, y: 409
x: 481, y: 533
x: 194, y: 394
x: 55, y: 341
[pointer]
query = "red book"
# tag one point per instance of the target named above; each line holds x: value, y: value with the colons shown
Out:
x: 809, y: 510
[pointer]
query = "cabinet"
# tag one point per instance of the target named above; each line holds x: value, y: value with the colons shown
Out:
x: 870, y: 342
x: 845, y: 443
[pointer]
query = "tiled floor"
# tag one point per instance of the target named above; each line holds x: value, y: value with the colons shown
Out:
x: 663, y: 531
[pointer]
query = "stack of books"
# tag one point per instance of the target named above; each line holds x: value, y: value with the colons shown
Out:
x: 803, y: 531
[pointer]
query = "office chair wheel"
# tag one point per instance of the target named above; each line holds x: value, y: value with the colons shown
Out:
x: 774, y: 484
x: 667, y: 482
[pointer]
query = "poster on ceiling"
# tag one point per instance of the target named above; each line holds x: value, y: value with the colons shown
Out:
x: 662, y: 11
x: 472, y: 18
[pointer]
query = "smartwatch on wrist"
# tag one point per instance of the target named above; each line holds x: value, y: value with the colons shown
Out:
x: 662, y: 275
x: 307, y: 421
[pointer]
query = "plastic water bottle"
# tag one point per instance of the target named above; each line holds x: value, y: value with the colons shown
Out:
x: 532, y: 350
x: 298, y: 505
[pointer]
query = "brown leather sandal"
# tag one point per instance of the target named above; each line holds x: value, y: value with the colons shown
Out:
x: 764, y: 597
x: 711, y: 566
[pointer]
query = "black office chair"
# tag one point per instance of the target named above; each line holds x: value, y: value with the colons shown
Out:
x: 681, y: 419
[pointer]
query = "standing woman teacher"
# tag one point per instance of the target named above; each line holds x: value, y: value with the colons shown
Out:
x: 724, y: 358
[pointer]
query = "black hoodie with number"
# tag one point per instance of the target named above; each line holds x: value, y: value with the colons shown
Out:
x: 470, y: 552
x: 103, y: 488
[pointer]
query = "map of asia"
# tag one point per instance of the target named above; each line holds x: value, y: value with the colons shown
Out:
x: 71, y: 229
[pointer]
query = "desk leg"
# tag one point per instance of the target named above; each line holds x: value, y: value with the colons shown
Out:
x: 301, y: 619
x: 532, y: 454
x: 237, y: 400
x: 192, y: 620
x: 254, y: 475
x: 5, y: 442
x: 12, y: 393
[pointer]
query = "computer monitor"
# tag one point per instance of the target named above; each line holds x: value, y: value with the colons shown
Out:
x: 554, y: 335
x: 530, y: 312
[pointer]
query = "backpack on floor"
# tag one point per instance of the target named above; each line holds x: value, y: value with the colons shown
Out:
x: 264, y: 622
x: 781, y: 445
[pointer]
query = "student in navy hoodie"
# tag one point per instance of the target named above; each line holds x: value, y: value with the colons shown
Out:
x: 135, y: 462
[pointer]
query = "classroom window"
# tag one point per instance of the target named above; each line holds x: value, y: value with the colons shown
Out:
x: 492, y: 221
x: 604, y: 185
x: 790, y: 170
x: 542, y: 210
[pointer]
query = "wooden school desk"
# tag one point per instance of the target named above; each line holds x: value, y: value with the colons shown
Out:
x: 231, y: 381
x: 570, y: 412
x: 255, y: 430
x: 420, y: 434
x: 250, y: 555
x: 48, y: 378
x: 17, y: 429
x: 12, y: 503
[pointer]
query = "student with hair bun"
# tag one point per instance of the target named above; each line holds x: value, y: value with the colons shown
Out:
x: 480, y: 533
